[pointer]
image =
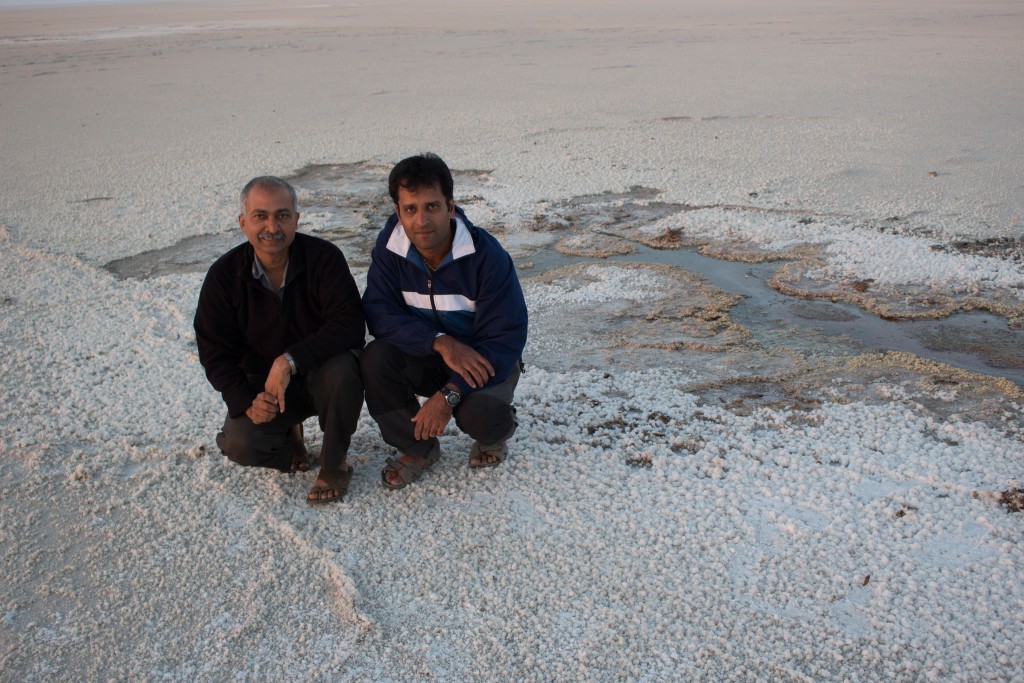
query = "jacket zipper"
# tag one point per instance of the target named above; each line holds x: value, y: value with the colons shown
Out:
x: 437, y: 316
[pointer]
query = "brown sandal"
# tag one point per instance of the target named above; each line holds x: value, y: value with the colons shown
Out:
x: 330, y: 480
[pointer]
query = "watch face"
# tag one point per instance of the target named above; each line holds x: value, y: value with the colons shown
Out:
x: 452, y: 398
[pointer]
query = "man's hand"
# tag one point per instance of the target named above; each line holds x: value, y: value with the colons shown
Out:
x: 463, y: 359
x: 432, y: 417
x: 277, y: 380
x: 263, y: 408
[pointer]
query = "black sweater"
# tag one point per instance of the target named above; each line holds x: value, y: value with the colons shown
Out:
x: 241, y: 326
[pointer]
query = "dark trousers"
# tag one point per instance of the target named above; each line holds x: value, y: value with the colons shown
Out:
x: 393, y: 379
x: 333, y: 392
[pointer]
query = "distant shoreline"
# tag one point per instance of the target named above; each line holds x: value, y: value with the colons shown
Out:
x: 34, y: 4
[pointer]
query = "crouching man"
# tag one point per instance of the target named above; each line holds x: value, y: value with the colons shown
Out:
x: 279, y: 326
x: 447, y: 312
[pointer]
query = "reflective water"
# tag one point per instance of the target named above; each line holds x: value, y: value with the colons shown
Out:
x: 976, y: 341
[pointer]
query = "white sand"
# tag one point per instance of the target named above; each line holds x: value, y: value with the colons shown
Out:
x: 858, y: 541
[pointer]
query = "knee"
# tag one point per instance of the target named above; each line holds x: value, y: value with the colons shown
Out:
x: 378, y: 357
x: 250, y: 448
x: 342, y: 373
x: 237, y: 449
x: 486, y: 419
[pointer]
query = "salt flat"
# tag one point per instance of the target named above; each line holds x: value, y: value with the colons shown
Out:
x: 691, y: 496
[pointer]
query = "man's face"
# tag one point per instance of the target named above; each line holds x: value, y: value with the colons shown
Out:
x: 269, y: 222
x: 426, y: 216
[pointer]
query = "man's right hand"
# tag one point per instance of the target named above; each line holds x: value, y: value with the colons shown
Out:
x: 278, y: 379
x: 465, y: 360
x: 263, y: 408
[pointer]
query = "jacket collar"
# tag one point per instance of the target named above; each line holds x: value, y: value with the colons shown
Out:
x: 462, y: 245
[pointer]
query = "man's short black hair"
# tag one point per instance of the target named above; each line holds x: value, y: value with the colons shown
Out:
x: 422, y: 170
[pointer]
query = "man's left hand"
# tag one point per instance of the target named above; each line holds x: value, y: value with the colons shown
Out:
x: 475, y: 370
x: 432, y: 417
x: 277, y: 380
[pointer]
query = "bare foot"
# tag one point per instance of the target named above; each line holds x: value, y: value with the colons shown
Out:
x: 300, y: 456
x: 483, y: 459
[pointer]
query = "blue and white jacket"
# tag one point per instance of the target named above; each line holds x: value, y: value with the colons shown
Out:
x: 474, y: 296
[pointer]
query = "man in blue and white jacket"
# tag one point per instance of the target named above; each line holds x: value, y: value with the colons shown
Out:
x: 445, y: 307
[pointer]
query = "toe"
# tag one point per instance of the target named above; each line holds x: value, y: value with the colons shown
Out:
x: 483, y: 458
x: 322, y: 491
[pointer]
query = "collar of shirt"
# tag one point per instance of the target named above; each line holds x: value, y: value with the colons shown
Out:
x: 261, y: 276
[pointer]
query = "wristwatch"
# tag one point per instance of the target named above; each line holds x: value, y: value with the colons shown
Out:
x: 291, y: 362
x: 451, y: 397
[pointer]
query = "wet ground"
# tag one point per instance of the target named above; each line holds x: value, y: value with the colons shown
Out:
x: 975, y: 341
x: 718, y: 320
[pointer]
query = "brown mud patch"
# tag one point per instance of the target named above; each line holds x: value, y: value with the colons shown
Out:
x: 1009, y: 248
x: 904, y: 302
x: 597, y: 246
x: 930, y: 376
x: 643, y: 315
x: 346, y: 204
x: 934, y: 388
x: 745, y: 397
x: 634, y: 214
x: 349, y: 201
x: 746, y: 253
x: 1012, y: 500
x: 881, y: 378
x: 622, y: 214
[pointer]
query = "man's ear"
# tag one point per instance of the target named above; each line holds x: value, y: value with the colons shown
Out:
x: 451, y: 208
x: 241, y: 222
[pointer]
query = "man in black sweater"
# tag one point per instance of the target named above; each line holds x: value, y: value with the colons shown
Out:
x: 279, y: 326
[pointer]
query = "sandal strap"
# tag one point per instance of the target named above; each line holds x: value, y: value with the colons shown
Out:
x: 337, y: 479
x: 408, y: 471
x: 333, y: 479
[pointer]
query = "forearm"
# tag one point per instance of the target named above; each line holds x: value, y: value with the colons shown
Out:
x: 225, y: 374
x: 237, y: 396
